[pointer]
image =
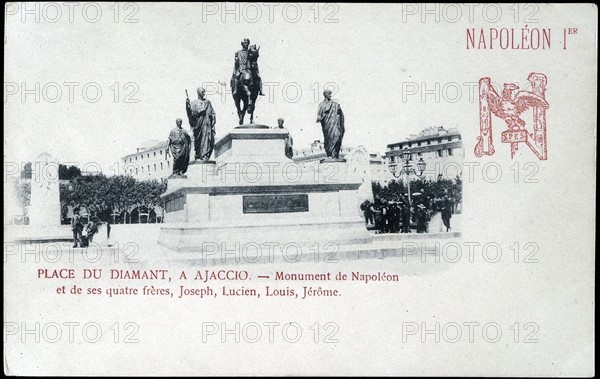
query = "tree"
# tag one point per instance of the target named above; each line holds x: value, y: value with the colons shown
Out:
x: 68, y: 173
x: 26, y: 173
x: 394, y: 191
x: 99, y: 193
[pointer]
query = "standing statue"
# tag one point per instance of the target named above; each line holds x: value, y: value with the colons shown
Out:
x: 246, y: 83
x: 331, y: 117
x: 179, y: 146
x: 289, y: 141
x: 202, y: 118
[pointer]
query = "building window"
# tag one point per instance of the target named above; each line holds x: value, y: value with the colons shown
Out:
x: 450, y: 152
x: 155, y: 153
x: 155, y: 167
x: 168, y: 164
x: 148, y: 155
x: 418, y: 143
x: 161, y: 152
x: 440, y: 153
x: 148, y: 169
x: 429, y: 142
x: 136, y: 158
x: 142, y: 170
x: 136, y: 171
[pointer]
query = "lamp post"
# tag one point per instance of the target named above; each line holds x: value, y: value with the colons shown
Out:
x: 407, y: 169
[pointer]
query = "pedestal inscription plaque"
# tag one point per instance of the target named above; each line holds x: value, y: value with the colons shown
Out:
x: 275, y: 203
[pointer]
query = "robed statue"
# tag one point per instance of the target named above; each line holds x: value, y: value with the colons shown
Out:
x: 246, y: 82
x: 289, y: 141
x: 179, y: 146
x: 202, y: 118
x: 331, y: 117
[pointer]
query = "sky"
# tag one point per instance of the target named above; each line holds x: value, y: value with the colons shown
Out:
x: 380, y: 60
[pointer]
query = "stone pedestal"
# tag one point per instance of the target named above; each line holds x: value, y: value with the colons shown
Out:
x: 254, y: 196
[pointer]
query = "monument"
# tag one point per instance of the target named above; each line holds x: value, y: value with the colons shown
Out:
x: 202, y: 118
x: 179, y: 146
x: 44, y: 210
x: 246, y: 82
x: 331, y: 117
x: 254, y: 194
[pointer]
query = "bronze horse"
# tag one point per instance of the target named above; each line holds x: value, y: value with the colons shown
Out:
x: 248, y: 86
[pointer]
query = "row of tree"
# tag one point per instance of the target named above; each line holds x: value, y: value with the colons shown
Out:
x: 100, y: 194
x: 426, y: 190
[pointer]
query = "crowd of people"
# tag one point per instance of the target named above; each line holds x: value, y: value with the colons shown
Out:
x: 83, y: 233
x: 400, y: 217
x: 429, y: 210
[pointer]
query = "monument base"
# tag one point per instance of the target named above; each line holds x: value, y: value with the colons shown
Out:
x: 254, y: 197
x: 299, y: 238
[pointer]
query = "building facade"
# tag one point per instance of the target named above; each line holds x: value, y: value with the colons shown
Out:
x: 150, y: 161
x: 441, y: 149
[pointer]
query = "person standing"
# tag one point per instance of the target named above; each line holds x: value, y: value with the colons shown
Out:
x: 77, y: 228
x: 378, y: 217
x: 405, y: 214
x: 385, y: 217
x: 421, y: 215
x: 91, y: 228
x: 366, y: 207
x: 435, y: 224
x: 447, y: 213
x: 395, y: 218
x: 202, y: 119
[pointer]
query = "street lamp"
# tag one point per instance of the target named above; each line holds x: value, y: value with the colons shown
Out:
x: 407, y: 169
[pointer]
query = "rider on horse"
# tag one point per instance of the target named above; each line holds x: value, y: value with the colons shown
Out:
x: 246, y: 66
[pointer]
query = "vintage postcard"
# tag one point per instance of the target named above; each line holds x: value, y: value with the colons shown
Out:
x: 198, y: 189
